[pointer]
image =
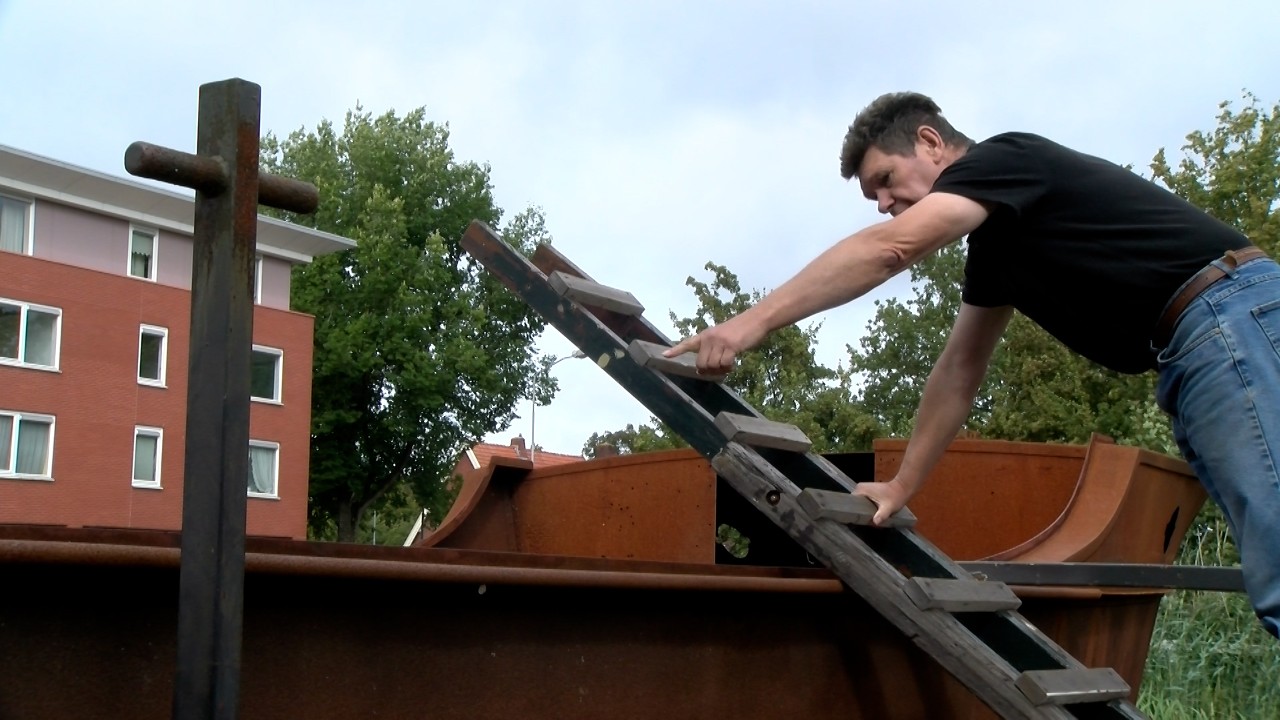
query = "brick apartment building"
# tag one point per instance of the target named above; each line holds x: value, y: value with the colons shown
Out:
x: 95, y: 277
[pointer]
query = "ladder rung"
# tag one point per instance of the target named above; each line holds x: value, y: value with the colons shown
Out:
x: 594, y: 294
x: 952, y: 595
x: 760, y: 432
x: 649, y: 355
x: 848, y: 508
x: 1072, y: 685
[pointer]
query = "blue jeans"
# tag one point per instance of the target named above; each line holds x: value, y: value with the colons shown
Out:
x: 1220, y: 382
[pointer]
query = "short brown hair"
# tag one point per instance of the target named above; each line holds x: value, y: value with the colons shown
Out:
x: 890, y: 123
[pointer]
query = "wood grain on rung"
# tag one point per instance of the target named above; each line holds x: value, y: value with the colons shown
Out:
x: 955, y: 595
x: 762, y: 432
x: 1072, y: 685
x: 594, y: 294
x: 650, y: 355
x: 848, y: 508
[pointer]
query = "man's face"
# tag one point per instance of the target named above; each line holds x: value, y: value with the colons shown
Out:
x: 896, y: 182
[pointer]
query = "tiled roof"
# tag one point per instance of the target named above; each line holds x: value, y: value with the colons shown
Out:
x: 541, y: 458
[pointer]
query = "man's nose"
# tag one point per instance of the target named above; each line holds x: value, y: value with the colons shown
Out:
x: 884, y: 203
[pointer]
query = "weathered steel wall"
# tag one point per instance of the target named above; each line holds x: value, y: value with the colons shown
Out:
x: 340, y: 631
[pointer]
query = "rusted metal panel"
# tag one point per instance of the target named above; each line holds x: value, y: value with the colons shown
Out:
x: 341, y: 631
x: 980, y: 482
x: 656, y: 506
x: 653, y: 507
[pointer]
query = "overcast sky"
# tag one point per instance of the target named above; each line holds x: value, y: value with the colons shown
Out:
x: 656, y: 136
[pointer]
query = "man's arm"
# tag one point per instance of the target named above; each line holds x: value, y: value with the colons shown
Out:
x: 944, y: 406
x: 848, y: 270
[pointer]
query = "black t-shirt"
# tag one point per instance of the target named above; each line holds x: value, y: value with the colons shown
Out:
x: 1087, y: 249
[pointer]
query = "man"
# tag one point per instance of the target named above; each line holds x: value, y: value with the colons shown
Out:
x: 1120, y: 270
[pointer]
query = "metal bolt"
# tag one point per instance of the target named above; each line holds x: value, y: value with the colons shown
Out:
x: 772, y: 497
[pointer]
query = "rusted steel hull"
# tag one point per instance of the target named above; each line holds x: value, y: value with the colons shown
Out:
x: 590, y: 591
x: 1017, y: 502
x: 340, y: 631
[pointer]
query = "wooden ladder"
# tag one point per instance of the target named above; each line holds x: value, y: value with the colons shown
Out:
x: 969, y: 626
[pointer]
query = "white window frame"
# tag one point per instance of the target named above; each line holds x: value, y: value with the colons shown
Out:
x: 164, y: 354
x: 279, y: 388
x: 158, y: 434
x: 9, y: 469
x: 155, y: 252
x: 24, y: 310
x: 257, y: 280
x: 274, y: 447
x: 28, y: 231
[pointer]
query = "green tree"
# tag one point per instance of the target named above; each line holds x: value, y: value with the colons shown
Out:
x: 654, y: 435
x: 418, y: 350
x: 1040, y: 391
x: 1233, y: 171
x: 904, y: 338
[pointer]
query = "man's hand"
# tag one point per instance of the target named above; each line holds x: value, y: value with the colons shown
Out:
x: 889, y: 497
x: 718, y: 346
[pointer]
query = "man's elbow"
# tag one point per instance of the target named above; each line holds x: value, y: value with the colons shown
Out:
x: 892, y: 260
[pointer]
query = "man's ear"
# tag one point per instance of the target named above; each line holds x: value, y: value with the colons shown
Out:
x: 930, y: 142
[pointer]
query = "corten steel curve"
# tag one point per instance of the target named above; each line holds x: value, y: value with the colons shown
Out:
x: 592, y: 590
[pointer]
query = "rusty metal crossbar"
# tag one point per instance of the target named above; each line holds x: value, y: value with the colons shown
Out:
x: 1128, y: 575
x: 987, y: 651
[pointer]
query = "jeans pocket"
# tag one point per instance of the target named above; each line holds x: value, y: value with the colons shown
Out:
x: 1179, y: 350
x: 1269, y: 320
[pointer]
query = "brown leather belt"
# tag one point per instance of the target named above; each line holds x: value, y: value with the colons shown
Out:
x: 1200, y: 282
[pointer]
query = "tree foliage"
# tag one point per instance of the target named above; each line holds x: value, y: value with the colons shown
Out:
x: 904, y: 338
x: 650, y: 437
x: 1233, y: 171
x: 418, y: 351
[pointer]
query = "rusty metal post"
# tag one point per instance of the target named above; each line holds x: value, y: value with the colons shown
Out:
x: 224, y: 173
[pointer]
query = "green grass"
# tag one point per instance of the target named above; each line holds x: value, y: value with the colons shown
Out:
x: 1210, y: 659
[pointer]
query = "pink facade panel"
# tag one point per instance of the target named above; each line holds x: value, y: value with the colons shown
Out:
x: 68, y: 235
x: 72, y: 236
x: 173, y: 260
x: 276, y: 276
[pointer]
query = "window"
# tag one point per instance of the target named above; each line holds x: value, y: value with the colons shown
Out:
x: 26, y: 445
x: 148, y: 443
x: 142, y: 253
x: 265, y: 371
x: 264, y: 468
x: 14, y: 227
x: 152, y: 347
x: 29, y: 334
